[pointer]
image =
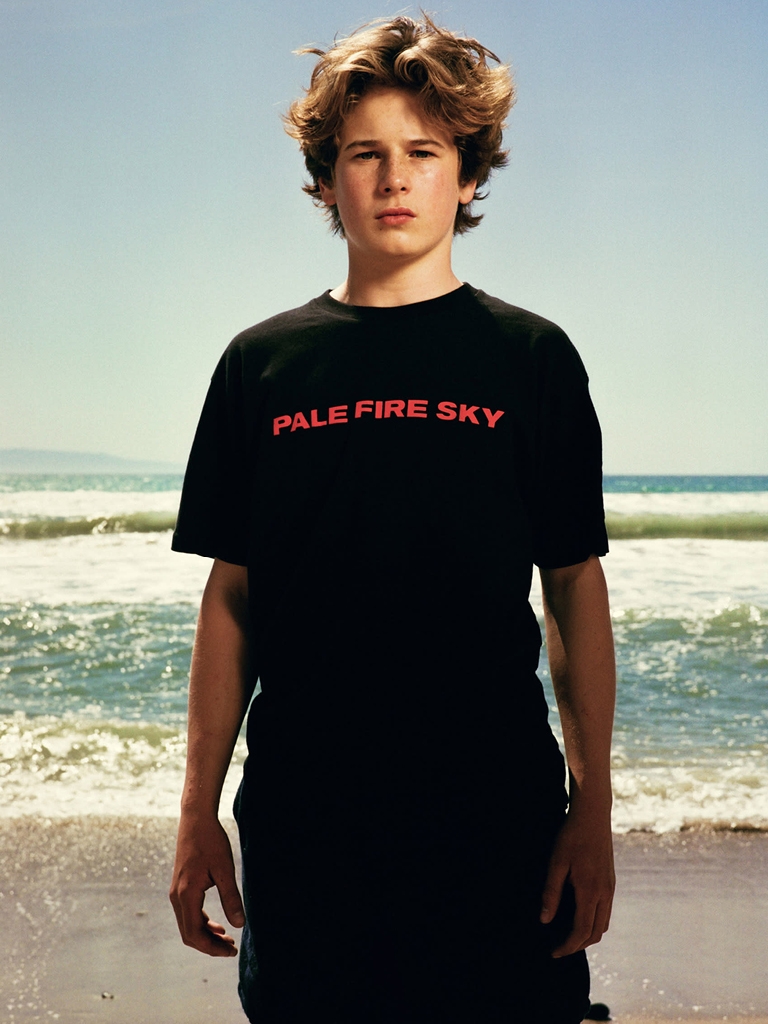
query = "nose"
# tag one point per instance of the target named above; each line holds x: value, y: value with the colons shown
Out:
x: 394, y: 177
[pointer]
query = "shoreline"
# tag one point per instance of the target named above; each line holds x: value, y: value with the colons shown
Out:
x: 86, y: 911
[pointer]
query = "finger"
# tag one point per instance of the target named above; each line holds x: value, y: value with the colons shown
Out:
x: 218, y: 929
x: 190, y: 913
x: 553, y: 892
x: 212, y: 941
x: 194, y: 924
x: 231, y: 901
x: 601, y: 920
x: 601, y: 923
x: 219, y: 932
x: 583, y: 927
x: 176, y: 907
x: 213, y: 945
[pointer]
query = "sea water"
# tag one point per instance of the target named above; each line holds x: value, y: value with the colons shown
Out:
x: 97, y: 617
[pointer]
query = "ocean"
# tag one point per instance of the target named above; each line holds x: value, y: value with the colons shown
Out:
x: 97, y: 617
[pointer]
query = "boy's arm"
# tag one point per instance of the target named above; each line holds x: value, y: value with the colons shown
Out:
x: 581, y: 657
x: 218, y: 699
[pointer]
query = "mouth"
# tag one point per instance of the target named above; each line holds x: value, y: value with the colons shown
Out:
x: 396, y: 215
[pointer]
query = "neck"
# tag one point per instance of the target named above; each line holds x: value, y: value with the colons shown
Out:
x: 370, y: 285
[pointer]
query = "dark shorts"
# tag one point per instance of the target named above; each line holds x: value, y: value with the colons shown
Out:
x: 404, y: 926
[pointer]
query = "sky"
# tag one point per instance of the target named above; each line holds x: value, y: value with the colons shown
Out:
x: 150, y: 209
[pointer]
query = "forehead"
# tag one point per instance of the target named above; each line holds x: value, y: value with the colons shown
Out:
x: 384, y: 111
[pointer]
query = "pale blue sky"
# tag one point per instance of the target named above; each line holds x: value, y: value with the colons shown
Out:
x: 151, y: 208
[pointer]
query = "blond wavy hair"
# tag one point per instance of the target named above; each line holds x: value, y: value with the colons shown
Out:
x: 457, y: 87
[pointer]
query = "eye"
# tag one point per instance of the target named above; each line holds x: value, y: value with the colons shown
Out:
x: 366, y: 155
x: 422, y: 153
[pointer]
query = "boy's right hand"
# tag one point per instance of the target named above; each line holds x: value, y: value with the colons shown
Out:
x: 203, y: 860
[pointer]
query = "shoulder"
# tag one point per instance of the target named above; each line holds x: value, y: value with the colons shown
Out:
x: 544, y: 342
x: 520, y: 324
x: 292, y: 327
x: 513, y: 318
x: 259, y: 351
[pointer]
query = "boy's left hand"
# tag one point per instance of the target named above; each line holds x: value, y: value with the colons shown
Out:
x: 583, y: 855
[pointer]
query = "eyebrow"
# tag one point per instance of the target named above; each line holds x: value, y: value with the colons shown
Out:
x: 372, y: 143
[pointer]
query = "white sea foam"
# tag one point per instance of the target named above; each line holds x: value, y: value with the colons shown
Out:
x: 84, y: 504
x: 666, y: 578
x: 679, y: 578
x: 686, y: 503
x: 124, y: 568
x: 60, y: 767
x: 15, y: 505
x: 728, y: 793
x: 682, y: 579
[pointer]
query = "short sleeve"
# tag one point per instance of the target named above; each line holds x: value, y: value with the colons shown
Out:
x: 213, y: 514
x: 568, y: 516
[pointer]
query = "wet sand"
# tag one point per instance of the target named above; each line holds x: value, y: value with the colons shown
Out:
x: 88, y: 933
x: 689, y: 935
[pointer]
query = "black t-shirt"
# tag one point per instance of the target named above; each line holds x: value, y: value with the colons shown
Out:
x: 389, y: 476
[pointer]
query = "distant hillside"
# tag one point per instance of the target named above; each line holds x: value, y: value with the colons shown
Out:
x: 29, y: 460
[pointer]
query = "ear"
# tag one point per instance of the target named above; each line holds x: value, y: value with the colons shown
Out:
x: 327, y: 192
x: 467, y: 191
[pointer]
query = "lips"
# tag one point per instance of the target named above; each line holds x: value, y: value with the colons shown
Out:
x: 396, y: 211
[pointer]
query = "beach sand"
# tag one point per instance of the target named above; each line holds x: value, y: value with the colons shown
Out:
x: 689, y: 933
x: 90, y: 936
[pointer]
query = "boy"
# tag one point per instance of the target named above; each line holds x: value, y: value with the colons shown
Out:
x: 374, y: 474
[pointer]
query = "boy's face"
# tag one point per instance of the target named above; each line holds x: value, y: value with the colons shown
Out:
x: 396, y: 180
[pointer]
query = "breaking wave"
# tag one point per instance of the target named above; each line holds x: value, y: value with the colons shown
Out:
x: 47, y: 528
x: 730, y: 526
